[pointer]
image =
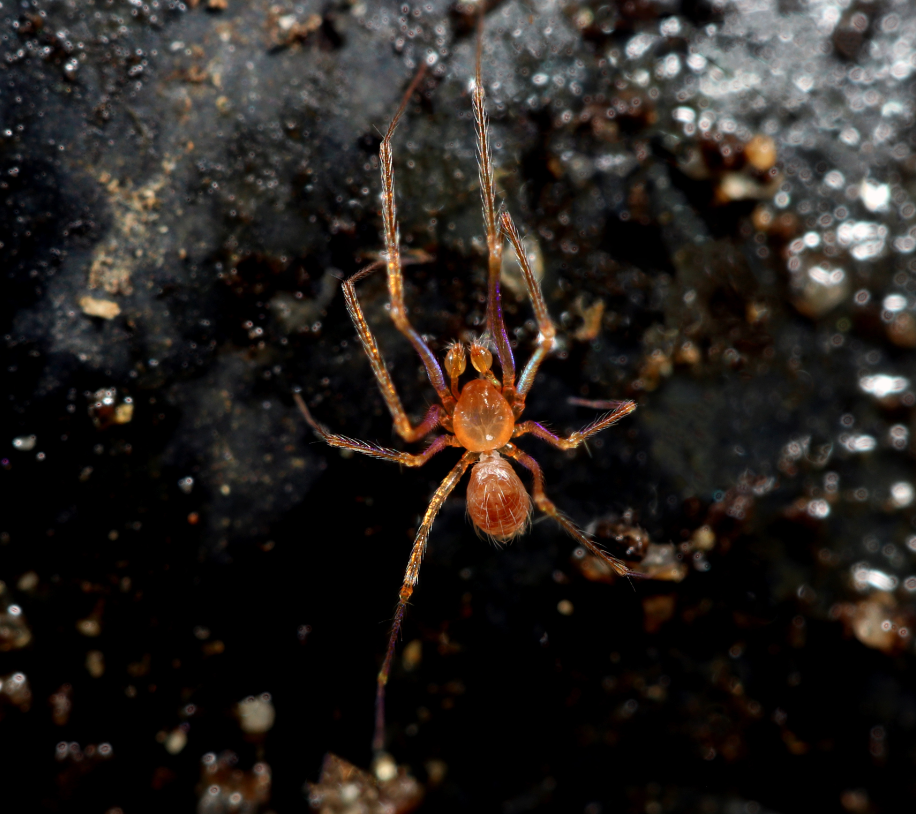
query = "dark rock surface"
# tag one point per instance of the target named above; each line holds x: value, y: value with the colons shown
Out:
x: 181, y: 187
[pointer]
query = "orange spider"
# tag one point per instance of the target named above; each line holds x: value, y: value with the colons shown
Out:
x: 482, y: 417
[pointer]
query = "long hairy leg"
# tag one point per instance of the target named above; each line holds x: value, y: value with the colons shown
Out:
x: 393, y: 260
x: 401, y: 422
x: 547, y: 506
x: 374, y: 451
x: 571, y: 442
x: 547, y: 332
x: 496, y: 325
x: 410, y: 582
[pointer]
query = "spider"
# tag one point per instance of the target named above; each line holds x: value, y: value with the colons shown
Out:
x: 482, y: 416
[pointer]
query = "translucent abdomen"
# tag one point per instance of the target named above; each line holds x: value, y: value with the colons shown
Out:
x: 498, y: 502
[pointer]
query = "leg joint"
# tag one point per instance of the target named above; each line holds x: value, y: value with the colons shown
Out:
x: 399, y: 316
x: 544, y: 504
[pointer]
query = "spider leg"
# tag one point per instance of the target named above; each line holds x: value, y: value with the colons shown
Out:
x: 383, y: 453
x: 395, y: 274
x: 410, y: 581
x: 547, y: 506
x: 533, y: 428
x: 595, y: 404
x: 496, y: 326
x: 547, y: 332
x: 401, y: 422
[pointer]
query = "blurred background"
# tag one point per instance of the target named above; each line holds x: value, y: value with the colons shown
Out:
x: 721, y: 200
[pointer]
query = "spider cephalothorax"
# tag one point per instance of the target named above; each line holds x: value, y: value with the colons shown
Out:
x: 481, y: 417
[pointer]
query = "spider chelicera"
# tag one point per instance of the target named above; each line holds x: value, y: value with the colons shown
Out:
x: 481, y: 417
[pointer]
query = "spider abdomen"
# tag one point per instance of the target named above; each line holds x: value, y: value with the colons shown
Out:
x: 498, y: 502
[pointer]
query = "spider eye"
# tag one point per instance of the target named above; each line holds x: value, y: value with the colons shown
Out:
x: 481, y: 358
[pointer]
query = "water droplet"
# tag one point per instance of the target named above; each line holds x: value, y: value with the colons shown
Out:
x: 875, y: 197
x: 882, y: 385
x: 901, y: 494
x: 25, y: 443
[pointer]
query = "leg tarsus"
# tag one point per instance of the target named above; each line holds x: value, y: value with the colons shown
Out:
x: 383, y: 453
x: 571, y: 442
x: 378, y: 739
x: 596, y: 404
